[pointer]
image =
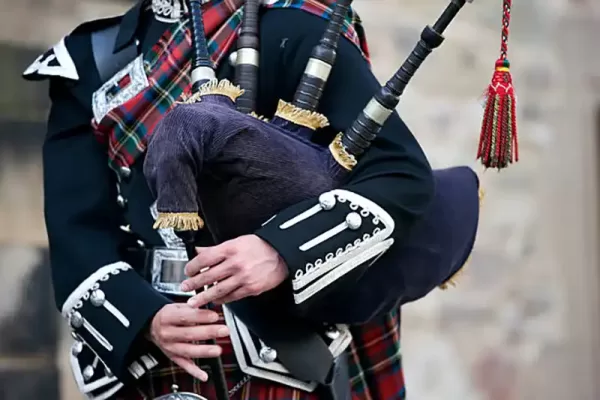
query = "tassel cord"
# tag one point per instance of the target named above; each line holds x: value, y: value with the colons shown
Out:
x: 498, y: 146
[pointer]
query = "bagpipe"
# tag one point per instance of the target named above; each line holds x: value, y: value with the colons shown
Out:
x: 212, y: 154
x: 215, y: 133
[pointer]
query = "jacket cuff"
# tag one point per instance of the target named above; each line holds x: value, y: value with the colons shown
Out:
x: 107, y: 312
x: 324, y: 240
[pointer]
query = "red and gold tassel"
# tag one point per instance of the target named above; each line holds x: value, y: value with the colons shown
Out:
x: 498, y: 146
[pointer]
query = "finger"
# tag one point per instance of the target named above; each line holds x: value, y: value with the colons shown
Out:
x: 190, y: 367
x: 216, y: 273
x: 193, y: 350
x: 184, y: 315
x: 221, y: 289
x: 207, y: 257
x: 182, y: 334
x: 234, y: 296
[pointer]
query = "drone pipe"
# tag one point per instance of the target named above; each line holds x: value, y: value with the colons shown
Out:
x: 202, y: 67
x: 215, y: 364
x: 365, y: 128
x: 247, y: 59
x: 323, y: 57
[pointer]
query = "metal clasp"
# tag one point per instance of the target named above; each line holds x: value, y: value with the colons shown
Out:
x: 180, y: 395
x: 168, y: 271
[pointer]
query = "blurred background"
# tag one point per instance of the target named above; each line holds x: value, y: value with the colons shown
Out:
x: 524, y: 320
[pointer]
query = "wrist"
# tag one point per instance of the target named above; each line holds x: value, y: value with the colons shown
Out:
x: 147, y: 332
x: 282, y: 266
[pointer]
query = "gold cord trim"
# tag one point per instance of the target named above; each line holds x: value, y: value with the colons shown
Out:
x: 452, y: 281
x: 179, y: 221
x: 308, y: 119
x: 222, y: 87
x: 214, y: 86
x: 259, y: 117
x: 188, y: 99
x: 339, y: 153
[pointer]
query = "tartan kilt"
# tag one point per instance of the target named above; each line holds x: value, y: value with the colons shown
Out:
x: 374, y: 360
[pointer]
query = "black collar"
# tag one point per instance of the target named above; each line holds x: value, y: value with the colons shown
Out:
x: 129, y: 25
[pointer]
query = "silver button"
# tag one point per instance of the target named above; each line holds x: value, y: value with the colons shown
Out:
x: 354, y: 221
x: 124, y: 172
x: 332, y: 333
x: 76, y: 320
x: 88, y: 373
x: 125, y: 228
x: 121, y: 201
x: 141, y: 244
x: 327, y: 201
x: 97, y: 298
x: 77, y: 348
x: 268, y: 354
x: 233, y: 59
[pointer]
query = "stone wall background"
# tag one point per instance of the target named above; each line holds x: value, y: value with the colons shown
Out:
x: 487, y: 338
x: 507, y: 331
x: 522, y: 323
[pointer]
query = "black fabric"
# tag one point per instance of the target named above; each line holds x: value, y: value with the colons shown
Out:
x: 130, y: 26
x: 149, y: 31
x: 303, y: 352
x: 116, y: 46
x: 338, y: 384
x: 107, y: 63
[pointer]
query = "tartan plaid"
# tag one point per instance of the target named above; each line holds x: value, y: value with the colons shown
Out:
x: 375, y: 370
x: 126, y: 129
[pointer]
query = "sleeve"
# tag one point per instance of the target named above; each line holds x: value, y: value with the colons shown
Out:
x: 104, y: 300
x: 327, y: 239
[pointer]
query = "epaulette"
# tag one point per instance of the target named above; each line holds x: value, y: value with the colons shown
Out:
x: 58, y: 60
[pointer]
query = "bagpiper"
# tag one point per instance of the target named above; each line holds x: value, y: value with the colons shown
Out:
x: 121, y: 285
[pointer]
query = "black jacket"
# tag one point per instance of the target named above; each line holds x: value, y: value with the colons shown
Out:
x: 87, y: 205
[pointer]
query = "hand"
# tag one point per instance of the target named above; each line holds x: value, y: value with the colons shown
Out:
x: 175, y: 327
x: 245, y: 266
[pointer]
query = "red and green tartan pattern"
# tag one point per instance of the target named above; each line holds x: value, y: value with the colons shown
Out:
x: 376, y: 359
x: 126, y: 129
x: 375, y: 370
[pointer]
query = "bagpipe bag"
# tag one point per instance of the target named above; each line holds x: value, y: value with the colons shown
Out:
x: 212, y: 155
